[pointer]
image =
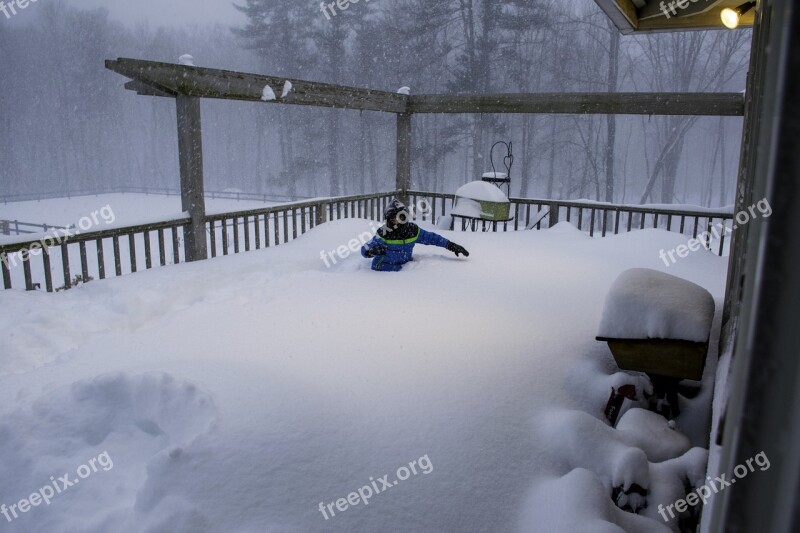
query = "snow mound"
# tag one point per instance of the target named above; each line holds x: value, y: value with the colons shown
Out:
x: 610, y: 456
x: 590, y: 510
x: 128, y: 418
x: 651, y: 432
x: 482, y: 192
x: 670, y: 482
x: 642, y: 453
x: 647, y: 304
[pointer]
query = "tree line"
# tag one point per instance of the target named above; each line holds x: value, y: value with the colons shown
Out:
x: 69, y: 124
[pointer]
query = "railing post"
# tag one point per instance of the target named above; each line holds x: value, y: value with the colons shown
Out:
x: 320, y: 217
x: 553, y: 220
x: 190, y: 155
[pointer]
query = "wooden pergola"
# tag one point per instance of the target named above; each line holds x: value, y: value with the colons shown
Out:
x: 189, y: 84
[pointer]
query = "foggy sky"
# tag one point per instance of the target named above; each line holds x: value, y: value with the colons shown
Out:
x: 167, y: 12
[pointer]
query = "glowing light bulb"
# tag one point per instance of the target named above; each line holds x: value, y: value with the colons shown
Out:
x: 730, y: 18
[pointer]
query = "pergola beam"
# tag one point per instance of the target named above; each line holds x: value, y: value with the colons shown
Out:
x: 223, y: 84
x: 702, y: 104
x: 145, y: 89
x: 165, y: 79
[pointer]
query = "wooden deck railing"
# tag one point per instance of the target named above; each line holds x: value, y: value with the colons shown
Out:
x: 71, y: 249
x: 120, y: 251
x: 272, y: 226
x: 597, y: 218
x: 146, y: 246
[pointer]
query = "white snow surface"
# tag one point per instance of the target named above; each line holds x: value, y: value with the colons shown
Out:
x: 481, y: 191
x: 649, y: 304
x: 238, y: 393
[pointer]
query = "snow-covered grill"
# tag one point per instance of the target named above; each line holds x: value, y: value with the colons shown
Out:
x: 660, y: 325
x: 481, y: 201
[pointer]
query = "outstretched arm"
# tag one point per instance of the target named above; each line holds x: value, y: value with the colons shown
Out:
x: 430, y: 238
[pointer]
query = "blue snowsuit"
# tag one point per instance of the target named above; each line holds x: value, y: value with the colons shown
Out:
x: 399, y: 243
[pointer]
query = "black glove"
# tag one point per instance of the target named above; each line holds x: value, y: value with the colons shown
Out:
x: 378, y: 249
x: 456, y: 249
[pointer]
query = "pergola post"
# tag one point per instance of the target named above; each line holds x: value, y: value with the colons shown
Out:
x: 403, y: 183
x: 190, y: 155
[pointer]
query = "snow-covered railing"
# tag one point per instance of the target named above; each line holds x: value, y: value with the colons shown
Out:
x: 68, y: 248
x: 30, y: 263
x: 272, y: 226
x: 712, y: 225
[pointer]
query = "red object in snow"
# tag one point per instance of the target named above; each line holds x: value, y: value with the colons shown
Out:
x: 615, y: 401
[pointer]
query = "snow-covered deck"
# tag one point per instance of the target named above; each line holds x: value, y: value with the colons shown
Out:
x: 237, y: 394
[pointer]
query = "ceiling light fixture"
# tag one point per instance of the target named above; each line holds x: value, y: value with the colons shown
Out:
x: 730, y: 17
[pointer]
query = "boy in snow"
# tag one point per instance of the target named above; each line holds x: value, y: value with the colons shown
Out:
x: 394, y: 243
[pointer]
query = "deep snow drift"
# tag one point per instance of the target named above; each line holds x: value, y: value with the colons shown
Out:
x: 238, y: 393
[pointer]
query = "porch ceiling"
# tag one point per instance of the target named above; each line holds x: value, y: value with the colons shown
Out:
x: 643, y: 16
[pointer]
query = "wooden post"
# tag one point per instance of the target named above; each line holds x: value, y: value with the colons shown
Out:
x: 553, y: 220
x: 190, y: 155
x: 321, y: 215
x: 403, y: 183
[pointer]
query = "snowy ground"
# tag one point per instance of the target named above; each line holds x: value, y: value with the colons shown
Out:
x: 127, y: 210
x: 238, y: 393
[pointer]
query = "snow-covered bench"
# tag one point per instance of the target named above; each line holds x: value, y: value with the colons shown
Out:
x: 658, y: 324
